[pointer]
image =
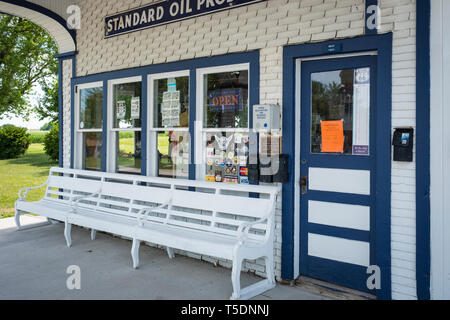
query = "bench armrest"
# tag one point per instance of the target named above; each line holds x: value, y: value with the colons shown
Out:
x: 23, y: 193
x: 75, y: 200
x: 144, y: 212
x: 245, y: 227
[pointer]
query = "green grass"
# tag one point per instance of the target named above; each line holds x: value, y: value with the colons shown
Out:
x: 126, y: 145
x: 29, y: 170
x: 37, y: 136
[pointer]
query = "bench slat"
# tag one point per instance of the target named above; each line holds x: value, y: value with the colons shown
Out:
x: 81, y: 185
x: 208, y: 218
x: 216, y: 224
x: 135, y: 192
x: 166, y: 181
x: 248, y: 207
x: 58, y: 194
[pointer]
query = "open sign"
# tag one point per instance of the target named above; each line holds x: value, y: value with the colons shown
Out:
x: 230, y: 99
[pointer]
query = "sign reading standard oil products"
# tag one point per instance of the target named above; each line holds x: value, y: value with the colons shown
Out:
x: 164, y: 12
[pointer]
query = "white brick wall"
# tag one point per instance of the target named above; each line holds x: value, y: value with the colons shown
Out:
x: 399, y: 16
x: 269, y: 26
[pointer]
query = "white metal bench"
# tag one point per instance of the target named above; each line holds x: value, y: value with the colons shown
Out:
x: 214, y: 219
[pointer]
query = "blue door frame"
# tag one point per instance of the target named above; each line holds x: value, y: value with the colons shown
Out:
x: 349, y: 275
x: 382, y: 44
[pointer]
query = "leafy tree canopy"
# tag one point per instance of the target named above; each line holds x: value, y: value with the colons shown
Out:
x: 48, y: 107
x: 27, y: 58
x: 47, y: 126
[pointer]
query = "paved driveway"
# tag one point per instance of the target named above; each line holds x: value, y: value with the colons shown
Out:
x: 33, y: 265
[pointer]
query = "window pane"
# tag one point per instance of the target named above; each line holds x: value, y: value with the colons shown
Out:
x: 91, y: 108
x: 92, y: 158
x: 127, y: 105
x: 226, y: 100
x: 227, y: 156
x: 173, y: 154
x: 171, y: 105
x: 128, y: 152
x: 340, y: 112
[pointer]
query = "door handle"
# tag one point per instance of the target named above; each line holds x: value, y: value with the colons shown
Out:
x: 304, y: 184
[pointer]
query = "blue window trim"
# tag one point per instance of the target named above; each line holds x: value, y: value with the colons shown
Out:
x: 252, y: 58
x: 105, y: 127
x: 383, y: 45
x: 192, y: 118
x: 423, y: 150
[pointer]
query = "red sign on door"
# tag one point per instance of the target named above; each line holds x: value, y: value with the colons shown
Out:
x: 332, y: 136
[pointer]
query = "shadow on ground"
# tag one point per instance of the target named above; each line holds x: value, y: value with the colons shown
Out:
x: 34, y: 264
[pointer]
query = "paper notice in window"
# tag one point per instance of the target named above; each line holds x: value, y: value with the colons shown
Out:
x: 361, y: 112
x: 120, y: 110
x: 135, y: 108
x: 333, y: 136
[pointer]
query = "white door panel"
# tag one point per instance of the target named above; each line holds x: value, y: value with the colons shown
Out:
x: 339, y: 249
x: 339, y: 215
x: 340, y: 180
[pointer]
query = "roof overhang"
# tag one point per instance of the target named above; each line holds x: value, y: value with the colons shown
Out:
x: 53, y: 23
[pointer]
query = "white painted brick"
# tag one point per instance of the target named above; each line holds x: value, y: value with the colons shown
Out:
x: 323, y: 36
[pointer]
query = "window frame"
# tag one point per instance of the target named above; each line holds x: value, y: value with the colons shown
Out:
x: 200, y: 131
x: 152, y: 131
x: 111, y: 152
x: 78, y: 136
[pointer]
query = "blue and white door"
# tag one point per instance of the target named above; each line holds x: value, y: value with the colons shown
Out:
x: 338, y: 158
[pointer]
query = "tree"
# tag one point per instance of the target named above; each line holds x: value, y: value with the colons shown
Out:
x: 51, y: 143
x: 48, y: 107
x: 27, y: 57
x: 14, y: 141
x: 47, y: 127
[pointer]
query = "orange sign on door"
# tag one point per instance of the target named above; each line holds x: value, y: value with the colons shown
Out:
x: 333, y: 136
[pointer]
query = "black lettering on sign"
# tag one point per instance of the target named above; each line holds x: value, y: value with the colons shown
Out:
x: 165, y: 12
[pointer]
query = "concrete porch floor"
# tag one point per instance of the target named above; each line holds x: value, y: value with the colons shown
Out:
x: 33, y: 265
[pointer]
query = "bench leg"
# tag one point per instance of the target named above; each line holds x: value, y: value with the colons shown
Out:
x: 236, y: 278
x: 93, y: 234
x: 135, y: 253
x: 17, y: 218
x: 67, y: 232
x: 270, y: 273
x: 256, y: 288
x: 170, y: 253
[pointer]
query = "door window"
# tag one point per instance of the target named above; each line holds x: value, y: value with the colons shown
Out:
x: 340, y: 112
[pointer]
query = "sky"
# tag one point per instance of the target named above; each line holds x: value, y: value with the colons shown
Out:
x: 33, y: 123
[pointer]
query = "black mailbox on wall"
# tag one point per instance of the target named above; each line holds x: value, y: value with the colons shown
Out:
x: 403, y: 143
